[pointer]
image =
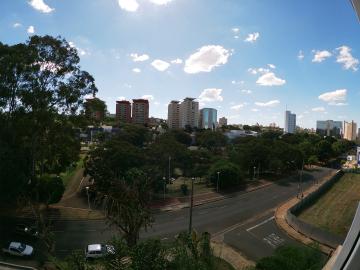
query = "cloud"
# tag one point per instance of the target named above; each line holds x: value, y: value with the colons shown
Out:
x: 177, y: 61
x: 320, y: 56
x: 269, y: 79
x: 334, y: 97
x: 31, y: 30
x: 235, y: 30
x: 41, y: 6
x: 254, y: 110
x: 148, y: 97
x: 211, y: 95
x: 246, y: 91
x: 255, y: 71
x: 139, y: 58
x: 81, y: 51
x: 129, y: 5
x: 300, y: 55
x: 318, y: 109
x: 160, y: 2
x: 136, y: 70
x: 206, y: 58
x: 160, y: 65
x: 271, y: 66
x: 237, y: 82
x: 16, y: 25
x: 238, y: 107
x: 346, y: 59
x: 121, y: 98
x: 271, y: 103
x: 252, y: 37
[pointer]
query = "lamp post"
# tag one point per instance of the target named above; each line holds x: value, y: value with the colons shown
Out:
x: 191, y: 204
x: 169, y: 168
x: 254, y: 177
x: 217, y: 183
x: 87, y: 193
x: 164, y: 179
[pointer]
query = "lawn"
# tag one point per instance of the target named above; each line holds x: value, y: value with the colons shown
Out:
x: 335, y: 210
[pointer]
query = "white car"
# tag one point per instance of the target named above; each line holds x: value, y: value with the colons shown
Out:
x: 94, y: 251
x: 19, y: 249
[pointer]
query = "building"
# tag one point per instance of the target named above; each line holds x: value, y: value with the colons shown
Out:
x: 208, y: 118
x: 140, y: 111
x: 222, y: 121
x: 189, y: 113
x: 329, y: 128
x: 350, y: 130
x: 123, y: 111
x: 174, y: 114
x: 290, y: 122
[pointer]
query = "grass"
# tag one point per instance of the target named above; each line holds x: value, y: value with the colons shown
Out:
x: 335, y: 210
x: 222, y: 264
x: 66, y: 176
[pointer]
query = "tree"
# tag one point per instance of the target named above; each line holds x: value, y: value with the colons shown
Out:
x: 51, y: 189
x: 212, y: 140
x: 95, y: 110
x: 230, y: 174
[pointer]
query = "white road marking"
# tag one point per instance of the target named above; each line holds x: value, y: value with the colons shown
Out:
x: 260, y: 224
x: 274, y: 240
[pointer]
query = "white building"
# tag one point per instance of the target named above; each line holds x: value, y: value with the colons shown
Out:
x: 189, y: 113
x: 174, y: 114
x: 350, y: 130
x: 290, y: 122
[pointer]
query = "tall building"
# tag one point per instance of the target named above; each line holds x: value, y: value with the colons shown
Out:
x: 222, y: 121
x: 173, y: 114
x: 329, y: 128
x: 350, y: 130
x: 290, y: 122
x: 140, y: 111
x: 189, y: 113
x: 208, y: 118
x: 123, y: 111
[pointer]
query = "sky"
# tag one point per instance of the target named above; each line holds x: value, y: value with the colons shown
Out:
x: 249, y: 59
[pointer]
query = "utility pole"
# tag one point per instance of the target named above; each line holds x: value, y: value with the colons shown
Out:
x: 169, y: 168
x: 88, y: 199
x: 254, y: 173
x: 164, y: 179
x: 191, y: 204
x: 217, y: 183
x: 301, y: 176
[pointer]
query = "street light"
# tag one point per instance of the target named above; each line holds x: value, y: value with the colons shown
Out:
x: 87, y: 193
x: 217, y: 183
x: 191, y: 204
x: 254, y: 173
x: 164, y: 179
x: 169, y: 168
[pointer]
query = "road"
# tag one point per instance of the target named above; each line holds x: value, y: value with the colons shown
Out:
x: 245, y: 221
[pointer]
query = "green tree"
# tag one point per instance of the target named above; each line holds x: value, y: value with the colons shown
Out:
x: 212, y: 140
x: 51, y: 189
x: 230, y: 174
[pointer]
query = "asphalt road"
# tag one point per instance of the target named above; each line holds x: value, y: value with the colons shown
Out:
x: 243, y: 221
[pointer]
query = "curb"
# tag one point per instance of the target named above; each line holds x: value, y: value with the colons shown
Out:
x: 16, y: 266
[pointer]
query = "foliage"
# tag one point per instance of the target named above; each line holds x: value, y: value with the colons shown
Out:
x: 212, y: 140
x: 50, y: 189
x: 184, y: 189
x: 230, y: 174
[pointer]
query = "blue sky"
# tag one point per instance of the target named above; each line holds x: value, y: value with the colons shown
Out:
x: 247, y: 58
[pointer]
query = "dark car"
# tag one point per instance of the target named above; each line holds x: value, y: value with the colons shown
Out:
x: 27, y: 230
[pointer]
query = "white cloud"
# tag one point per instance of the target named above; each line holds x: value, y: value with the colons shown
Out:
x: 206, y: 58
x: 129, y: 5
x: 320, y: 56
x: 269, y: 79
x: 139, y: 58
x: 235, y: 30
x: 210, y: 95
x: 255, y: 71
x: 252, y: 37
x: 160, y: 65
x: 271, y: 103
x: 271, y: 66
x: 41, y: 6
x: 237, y: 82
x: 300, y: 55
x: 177, y: 61
x: 160, y: 2
x: 148, y: 97
x: 254, y: 110
x: 238, y: 107
x: 334, y: 97
x: 236, y: 37
x: 16, y: 25
x: 246, y: 91
x: 81, y: 51
x: 346, y: 59
x: 318, y: 109
x: 31, y: 30
x: 121, y: 98
x: 136, y: 70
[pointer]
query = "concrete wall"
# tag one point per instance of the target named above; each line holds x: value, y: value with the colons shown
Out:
x: 309, y: 230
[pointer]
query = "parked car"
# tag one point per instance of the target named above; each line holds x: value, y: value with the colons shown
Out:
x: 94, y: 251
x: 27, y: 230
x: 19, y: 249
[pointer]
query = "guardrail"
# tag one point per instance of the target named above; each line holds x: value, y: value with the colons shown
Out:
x: 309, y: 230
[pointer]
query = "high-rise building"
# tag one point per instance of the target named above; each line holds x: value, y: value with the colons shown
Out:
x: 208, y: 118
x: 222, y: 121
x: 290, y: 122
x: 173, y: 114
x: 123, y: 111
x: 350, y: 130
x: 189, y: 113
x: 140, y: 111
x: 329, y: 128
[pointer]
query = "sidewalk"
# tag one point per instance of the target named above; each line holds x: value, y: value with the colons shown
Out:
x: 281, y: 211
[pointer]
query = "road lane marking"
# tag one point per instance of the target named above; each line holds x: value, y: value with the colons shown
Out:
x: 274, y: 240
x: 260, y: 224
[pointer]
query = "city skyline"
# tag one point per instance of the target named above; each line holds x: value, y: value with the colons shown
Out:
x: 241, y: 64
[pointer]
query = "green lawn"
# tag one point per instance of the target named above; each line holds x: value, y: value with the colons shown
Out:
x: 335, y: 210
